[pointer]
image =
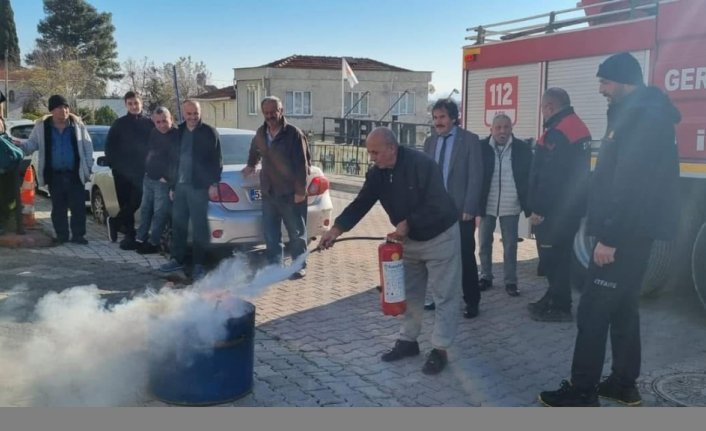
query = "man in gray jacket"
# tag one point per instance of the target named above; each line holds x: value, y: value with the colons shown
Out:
x: 459, y: 155
x: 65, y: 162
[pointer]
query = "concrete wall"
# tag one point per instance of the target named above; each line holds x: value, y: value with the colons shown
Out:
x: 219, y: 112
x: 325, y: 88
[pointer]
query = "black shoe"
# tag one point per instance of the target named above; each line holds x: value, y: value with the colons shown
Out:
x: 611, y: 389
x: 512, y: 290
x: 471, y: 311
x: 147, y: 248
x: 436, y: 361
x: 569, y: 396
x: 59, y: 240
x: 544, y: 302
x: 551, y: 314
x: 128, y: 243
x: 298, y: 275
x: 79, y: 240
x: 430, y: 306
x: 401, y: 350
x: 112, y: 229
x: 484, y: 284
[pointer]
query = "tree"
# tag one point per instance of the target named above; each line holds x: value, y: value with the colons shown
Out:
x: 105, y: 115
x: 156, y: 83
x: 69, y: 78
x: 73, y: 30
x: 8, y: 35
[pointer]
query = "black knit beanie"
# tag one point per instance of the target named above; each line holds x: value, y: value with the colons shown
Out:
x: 622, y: 68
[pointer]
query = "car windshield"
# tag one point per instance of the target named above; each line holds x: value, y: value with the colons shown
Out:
x: 235, y: 148
x: 98, y: 138
x: 21, y: 132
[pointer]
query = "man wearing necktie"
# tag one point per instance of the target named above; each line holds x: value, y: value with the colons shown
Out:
x: 459, y: 155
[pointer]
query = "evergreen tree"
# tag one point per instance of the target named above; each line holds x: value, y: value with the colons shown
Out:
x: 8, y: 35
x: 73, y: 30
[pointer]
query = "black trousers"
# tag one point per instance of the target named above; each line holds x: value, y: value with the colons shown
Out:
x: 469, y: 272
x: 129, y: 193
x: 610, y: 304
x: 67, y: 193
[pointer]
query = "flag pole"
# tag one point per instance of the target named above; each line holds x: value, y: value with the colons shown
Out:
x: 343, y: 94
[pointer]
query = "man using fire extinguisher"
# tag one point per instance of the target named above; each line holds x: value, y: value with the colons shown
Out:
x: 409, y: 186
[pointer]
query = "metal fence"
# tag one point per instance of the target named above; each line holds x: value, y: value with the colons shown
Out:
x: 340, y: 148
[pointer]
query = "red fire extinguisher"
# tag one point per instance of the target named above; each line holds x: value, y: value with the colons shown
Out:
x: 392, y: 294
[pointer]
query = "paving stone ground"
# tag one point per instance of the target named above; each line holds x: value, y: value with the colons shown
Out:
x: 318, y: 340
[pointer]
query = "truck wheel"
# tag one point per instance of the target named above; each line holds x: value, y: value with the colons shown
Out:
x: 698, y: 259
x: 659, y: 268
x: 583, y: 252
x: 656, y: 276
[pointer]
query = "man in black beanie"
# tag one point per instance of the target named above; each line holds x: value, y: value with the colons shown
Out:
x: 632, y: 202
x: 64, y: 164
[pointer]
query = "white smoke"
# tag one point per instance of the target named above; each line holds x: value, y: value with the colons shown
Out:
x: 79, y: 351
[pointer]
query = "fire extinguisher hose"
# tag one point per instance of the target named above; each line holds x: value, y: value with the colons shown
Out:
x: 354, y: 238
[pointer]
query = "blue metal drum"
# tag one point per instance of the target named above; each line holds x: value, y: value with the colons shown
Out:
x: 215, y: 375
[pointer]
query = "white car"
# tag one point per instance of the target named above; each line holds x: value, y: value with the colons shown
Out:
x: 235, y: 219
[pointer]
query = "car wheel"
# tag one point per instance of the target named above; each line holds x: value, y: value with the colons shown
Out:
x: 100, y: 213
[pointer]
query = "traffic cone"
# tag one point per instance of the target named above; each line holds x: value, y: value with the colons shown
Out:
x: 27, y: 198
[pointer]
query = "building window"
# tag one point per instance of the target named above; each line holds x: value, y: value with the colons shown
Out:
x: 252, y: 101
x: 224, y: 111
x: 405, y: 106
x: 359, y: 98
x: 298, y: 103
x: 11, y: 96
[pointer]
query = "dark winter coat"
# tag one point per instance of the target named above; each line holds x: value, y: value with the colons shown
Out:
x: 558, y: 189
x: 634, y: 188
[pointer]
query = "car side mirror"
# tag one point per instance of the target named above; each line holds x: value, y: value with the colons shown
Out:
x: 102, y: 161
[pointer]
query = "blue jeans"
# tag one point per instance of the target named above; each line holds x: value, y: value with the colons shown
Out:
x: 67, y: 192
x: 278, y: 209
x: 508, y: 230
x: 154, y: 210
x: 190, y: 204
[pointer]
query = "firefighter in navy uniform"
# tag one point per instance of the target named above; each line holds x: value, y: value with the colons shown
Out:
x: 632, y: 202
x: 557, y: 198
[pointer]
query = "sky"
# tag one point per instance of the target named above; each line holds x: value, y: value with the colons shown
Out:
x: 420, y: 35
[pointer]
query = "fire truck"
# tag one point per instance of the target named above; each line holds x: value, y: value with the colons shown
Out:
x: 508, y: 65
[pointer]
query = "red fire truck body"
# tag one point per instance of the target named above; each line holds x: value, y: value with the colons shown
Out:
x: 510, y: 73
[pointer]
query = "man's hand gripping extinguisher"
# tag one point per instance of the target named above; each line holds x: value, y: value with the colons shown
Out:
x: 392, y: 293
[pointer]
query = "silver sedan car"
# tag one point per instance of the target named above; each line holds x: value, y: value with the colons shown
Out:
x: 235, y: 217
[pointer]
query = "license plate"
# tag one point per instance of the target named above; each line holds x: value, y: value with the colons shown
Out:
x: 255, y: 194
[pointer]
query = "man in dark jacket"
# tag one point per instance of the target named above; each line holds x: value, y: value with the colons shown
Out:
x: 154, y: 209
x: 557, y: 198
x: 284, y: 153
x: 409, y: 186
x: 632, y: 202
x: 195, y: 171
x: 506, y: 167
x: 125, y: 152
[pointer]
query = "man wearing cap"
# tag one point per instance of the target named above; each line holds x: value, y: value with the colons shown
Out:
x: 64, y: 165
x: 632, y: 202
